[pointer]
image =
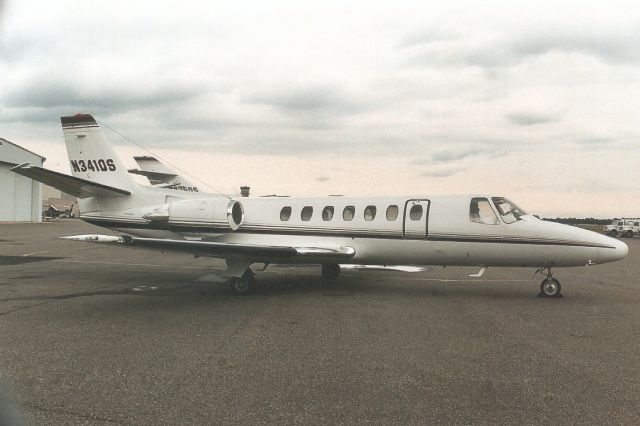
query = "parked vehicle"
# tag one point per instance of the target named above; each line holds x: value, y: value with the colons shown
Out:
x: 53, y: 212
x: 623, y: 228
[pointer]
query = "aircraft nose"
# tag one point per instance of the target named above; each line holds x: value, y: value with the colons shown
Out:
x: 619, y: 251
x: 622, y: 250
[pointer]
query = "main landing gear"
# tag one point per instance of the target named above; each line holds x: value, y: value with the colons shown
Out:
x: 245, y: 284
x: 549, y: 287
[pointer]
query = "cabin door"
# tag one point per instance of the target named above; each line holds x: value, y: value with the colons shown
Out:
x: 416, y: 219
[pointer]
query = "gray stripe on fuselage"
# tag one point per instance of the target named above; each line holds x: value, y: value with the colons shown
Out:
x: 459, y: 238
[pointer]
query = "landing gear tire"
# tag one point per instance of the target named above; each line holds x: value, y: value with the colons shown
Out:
x: 244, y: 285
x: 550, y: 287
x: 330, y: 271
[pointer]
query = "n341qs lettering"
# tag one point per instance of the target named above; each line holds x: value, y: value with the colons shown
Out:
x: 99, y: 165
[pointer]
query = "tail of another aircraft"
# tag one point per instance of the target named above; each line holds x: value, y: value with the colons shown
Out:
x: 91, y: 156
x: 161, y: 176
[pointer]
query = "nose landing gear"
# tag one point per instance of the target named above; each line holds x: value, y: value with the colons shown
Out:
x: 549, y: 287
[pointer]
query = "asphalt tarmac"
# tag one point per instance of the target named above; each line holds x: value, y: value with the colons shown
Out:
x: 105, y: 335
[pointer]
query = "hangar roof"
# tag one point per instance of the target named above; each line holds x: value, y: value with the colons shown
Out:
x: 11, y: 152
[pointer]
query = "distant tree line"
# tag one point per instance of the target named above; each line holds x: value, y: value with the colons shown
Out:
x: 579, y: 221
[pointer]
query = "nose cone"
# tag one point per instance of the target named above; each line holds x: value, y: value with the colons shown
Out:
x: 619, y: 251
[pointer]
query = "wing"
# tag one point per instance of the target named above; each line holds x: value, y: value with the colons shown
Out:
x: 72, y: 185
x: 219, y: 249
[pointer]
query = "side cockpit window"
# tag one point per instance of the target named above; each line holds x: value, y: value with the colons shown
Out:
x: 507, y: 210
x: 480, y: 211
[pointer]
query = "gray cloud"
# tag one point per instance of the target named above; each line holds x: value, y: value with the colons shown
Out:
x: 47, y: 92
x: 613, y: 144
x: 427, y: 36
x: 462, y: 54
x: 612, y: 47
x: 441, y: 171
x: 311, y: 99
x: 597, y: 141
x: 620, y: 46
x: 532, y: 118
x: 28, y: 115
x: 448, y: 155
x: 322, y: 178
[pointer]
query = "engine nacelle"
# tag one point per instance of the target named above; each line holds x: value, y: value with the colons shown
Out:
x: 216, y: 212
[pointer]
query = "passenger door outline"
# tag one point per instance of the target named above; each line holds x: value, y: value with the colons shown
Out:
x: 416, y: 229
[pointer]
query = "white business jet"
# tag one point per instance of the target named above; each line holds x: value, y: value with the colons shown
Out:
x: 475, y: 230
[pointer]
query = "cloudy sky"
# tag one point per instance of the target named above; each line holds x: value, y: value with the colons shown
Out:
x: 537, y: 101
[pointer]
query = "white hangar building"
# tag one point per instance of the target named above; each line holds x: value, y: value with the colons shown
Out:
x: 20, y: 197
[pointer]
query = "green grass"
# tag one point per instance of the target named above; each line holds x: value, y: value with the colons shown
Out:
x: 594, y: 228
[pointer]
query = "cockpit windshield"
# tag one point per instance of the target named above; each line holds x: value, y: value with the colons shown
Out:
x: 508, y: 210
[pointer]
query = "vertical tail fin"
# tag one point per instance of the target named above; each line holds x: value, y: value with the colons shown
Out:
x: 90, y: 154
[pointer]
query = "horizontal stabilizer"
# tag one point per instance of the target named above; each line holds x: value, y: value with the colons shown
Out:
x: 221, y: 249
x: 161, y: 176
x: 72, y: 185
x: 154, y: 177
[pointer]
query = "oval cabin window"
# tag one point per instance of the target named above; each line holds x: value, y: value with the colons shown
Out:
x: 306, y: 213
x: 348, y: 213
x: 392, y: 212
x: 327, y: 213
x: 285, y: 213
x: 370, y: 213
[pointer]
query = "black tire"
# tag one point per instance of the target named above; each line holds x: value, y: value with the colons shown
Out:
x: 550, y: 287
x: 244, y: 285
x: 330, y: 271
x: 629, y: 234
x: 613, y: 232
